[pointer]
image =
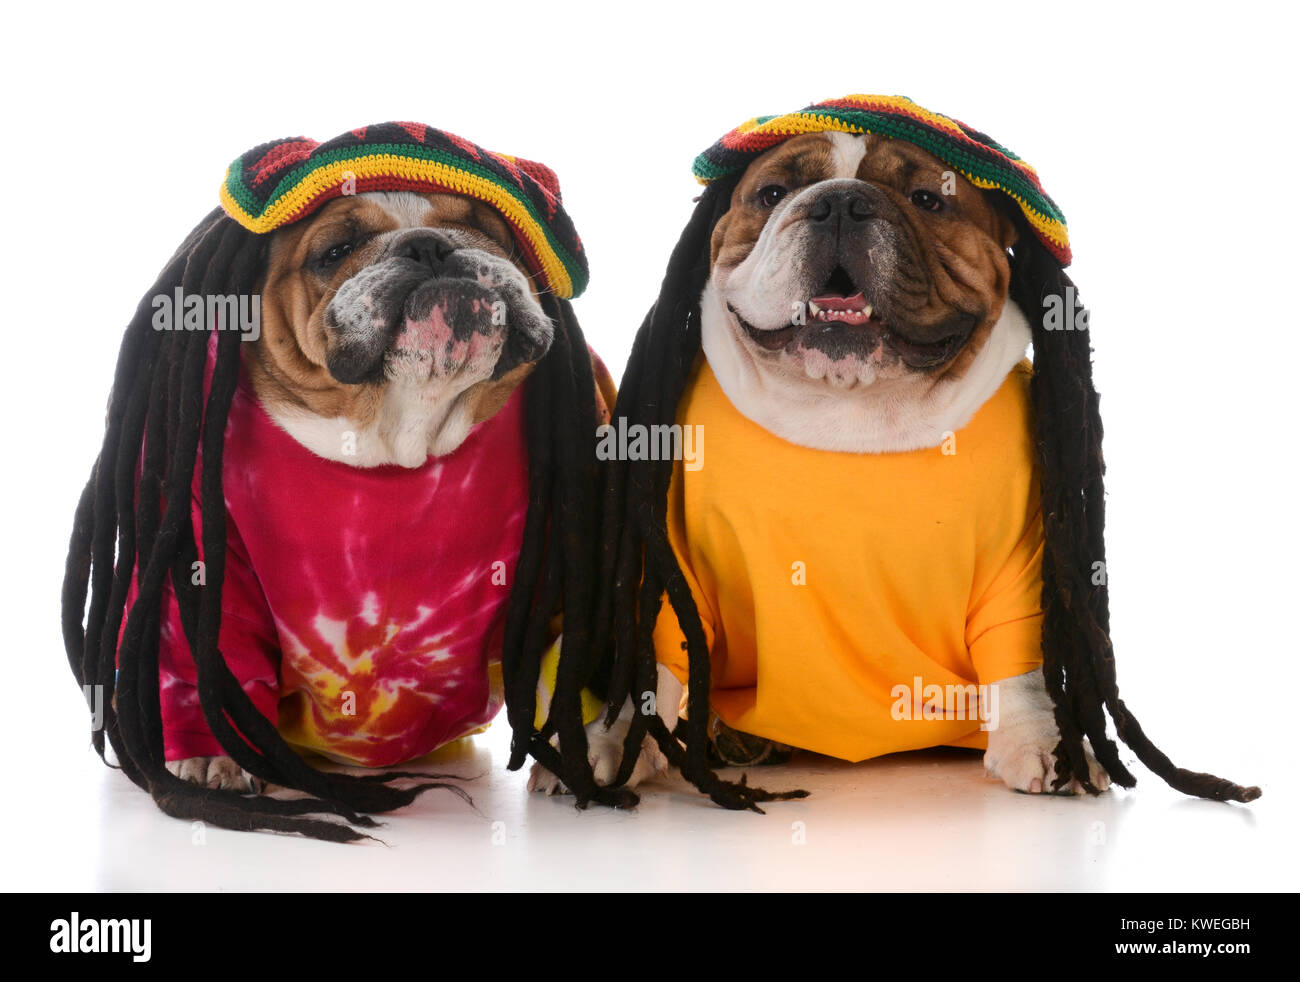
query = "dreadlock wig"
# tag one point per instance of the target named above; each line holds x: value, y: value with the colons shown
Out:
x: 640, y: 566
x: 137, y: 537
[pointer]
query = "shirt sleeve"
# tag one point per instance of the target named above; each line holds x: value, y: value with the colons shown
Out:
x: 248, y: 643
x: 1004, y: 627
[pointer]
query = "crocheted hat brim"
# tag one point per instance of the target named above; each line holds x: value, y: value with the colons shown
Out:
x: 279, y: 183
x: 976, y: 157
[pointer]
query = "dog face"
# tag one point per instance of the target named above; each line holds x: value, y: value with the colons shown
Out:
x: 391, y: 323
x: 851, y: 261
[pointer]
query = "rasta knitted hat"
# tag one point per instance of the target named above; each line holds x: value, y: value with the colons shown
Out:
x: 278, y: 183
x: 976, y: 157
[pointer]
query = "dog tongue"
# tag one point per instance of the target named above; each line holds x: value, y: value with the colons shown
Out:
x: 857, y: 302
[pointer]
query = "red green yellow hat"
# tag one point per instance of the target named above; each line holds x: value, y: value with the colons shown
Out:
x: 980, y: 160
x: 278, y: 183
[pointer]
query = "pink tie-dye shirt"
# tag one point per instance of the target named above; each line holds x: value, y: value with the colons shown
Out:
x: 362, y: 608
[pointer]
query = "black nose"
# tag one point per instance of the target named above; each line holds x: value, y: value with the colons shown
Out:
x: 426, y: 246
x: 846, y: 203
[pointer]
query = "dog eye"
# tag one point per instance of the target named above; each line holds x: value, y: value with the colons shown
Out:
x: 768, y: 196
x: 927, y: 200
x: 334, y: 254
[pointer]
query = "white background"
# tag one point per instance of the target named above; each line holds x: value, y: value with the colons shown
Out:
x: 1165, y: 132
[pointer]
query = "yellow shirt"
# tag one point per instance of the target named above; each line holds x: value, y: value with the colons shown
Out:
x: 834, y: 587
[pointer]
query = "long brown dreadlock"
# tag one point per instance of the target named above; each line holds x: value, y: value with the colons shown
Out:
x: 639, y: 567
x: 157, y: 422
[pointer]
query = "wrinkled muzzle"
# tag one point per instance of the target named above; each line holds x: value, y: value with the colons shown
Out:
x: 838, y: 286
x: 432, y: 310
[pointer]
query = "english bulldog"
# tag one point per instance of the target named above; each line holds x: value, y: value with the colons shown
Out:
x: 855, y: 322
x: 392, y: 323
x: 394, y: 291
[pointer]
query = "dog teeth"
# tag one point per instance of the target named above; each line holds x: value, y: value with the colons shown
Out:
x: 853, y: 316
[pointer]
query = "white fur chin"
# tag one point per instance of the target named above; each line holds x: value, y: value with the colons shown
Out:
x: 876, y: 418
x: 412, y: 426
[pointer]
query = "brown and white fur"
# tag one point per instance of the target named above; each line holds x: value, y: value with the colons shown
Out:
x: 914, y: 332
x: 352, y: 364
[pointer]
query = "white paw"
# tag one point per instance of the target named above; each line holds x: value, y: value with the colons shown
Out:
x: 215, y: 772
x: 1021, y: 745
x: 541, y: 779
x: 605, y: 754
x: 1031, y: 766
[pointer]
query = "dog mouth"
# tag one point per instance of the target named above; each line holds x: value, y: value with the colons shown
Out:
x: 848, y: 323
x: 448, y: 326
x: 401, y: 323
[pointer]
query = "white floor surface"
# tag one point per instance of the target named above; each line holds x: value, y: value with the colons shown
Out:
x: 921, y: 821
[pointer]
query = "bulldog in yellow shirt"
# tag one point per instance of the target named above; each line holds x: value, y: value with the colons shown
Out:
x: 866, y: 524
x: 889, y: 523
x: 871, y: 518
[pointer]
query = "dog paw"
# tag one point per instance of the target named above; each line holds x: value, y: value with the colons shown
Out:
x: 541, y: 779
x: 650, y: 763
x: 1021, y: 750
x: 1031, y: 766
x: 605, y: 754
x: 215, y: 772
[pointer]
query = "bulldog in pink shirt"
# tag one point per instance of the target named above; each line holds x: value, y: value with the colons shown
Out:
x: 362, y: 419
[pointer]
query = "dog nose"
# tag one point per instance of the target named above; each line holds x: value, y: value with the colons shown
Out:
x: 426, y: 246
x: 849, y: 203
